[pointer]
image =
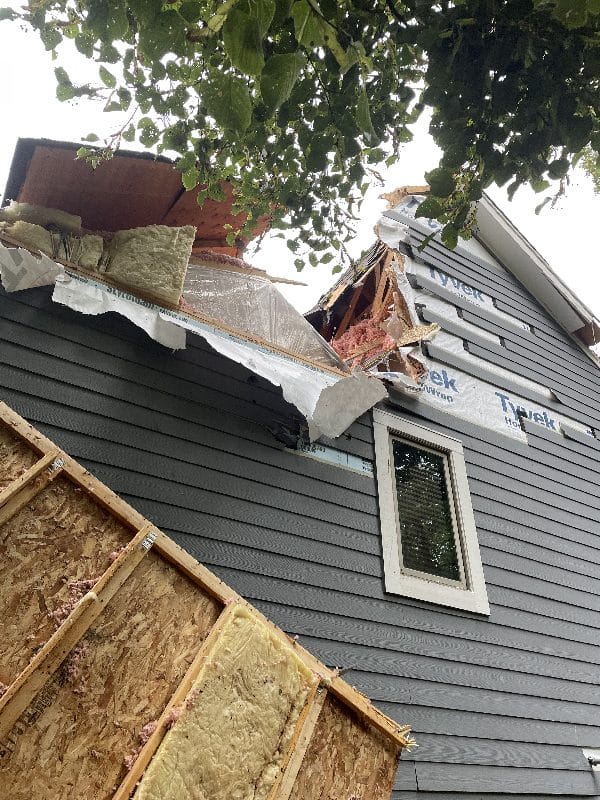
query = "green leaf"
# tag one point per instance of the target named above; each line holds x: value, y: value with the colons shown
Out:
x: 51, y: 38
x: 243, y: 42
x: 217, y: 20
x: 441, y: 182
x: 558, y: 169
x: 430, y: 208
x: 262, y: 11
x: 278, y: 77
x: 107, y: 78
x: 450, y: 236
x: 363, y: 117
x: 191, y: 178
x: 91, y: 137
x: 307, y: 26
x: 228, y: 101
x: 129, y: 134
x: 7, y: 13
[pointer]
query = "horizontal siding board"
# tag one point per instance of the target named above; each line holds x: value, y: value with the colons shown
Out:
x: 199, y: 429
x: 572, y: 396
x: 399, y: 639
x: 460, y: 750
x: 437, y: 777
x: 197, y: 465
x: 538, y: 634
x: 383, y: 688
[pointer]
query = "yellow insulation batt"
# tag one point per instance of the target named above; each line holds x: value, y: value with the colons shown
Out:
x: 152, y: 260
x: 40, y: 215
x: 238, y: 721
x: 90, y: 252
x: 32, y: 236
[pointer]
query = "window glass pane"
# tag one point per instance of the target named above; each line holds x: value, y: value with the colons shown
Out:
x: 426, y: 523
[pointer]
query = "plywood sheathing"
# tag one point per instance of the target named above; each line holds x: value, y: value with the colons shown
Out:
x: 238, y: 721
x: 73, y: 743
x: 56, y: 543
x: 15, y: 457
x: 346, y: 759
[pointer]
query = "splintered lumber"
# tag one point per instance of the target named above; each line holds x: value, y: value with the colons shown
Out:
x: 127, y: 667
x: 346, y: 758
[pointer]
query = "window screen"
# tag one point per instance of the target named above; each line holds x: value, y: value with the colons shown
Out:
x: 427, y: 529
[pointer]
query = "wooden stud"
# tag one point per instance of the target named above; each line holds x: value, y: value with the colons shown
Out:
x: 178, y: 698
x: 299, y: 745
x: 45, y: 663
x: 15, y: 487
x: 342, y: 327
x: 24, y: 430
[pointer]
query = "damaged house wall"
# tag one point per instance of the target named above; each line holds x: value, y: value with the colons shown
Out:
x: 501, y: 705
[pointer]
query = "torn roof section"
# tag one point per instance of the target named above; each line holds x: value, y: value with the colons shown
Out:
x: 167, y: 275
x: 131, y: 190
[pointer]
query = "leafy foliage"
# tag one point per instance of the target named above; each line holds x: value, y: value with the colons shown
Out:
x: 295, y: 101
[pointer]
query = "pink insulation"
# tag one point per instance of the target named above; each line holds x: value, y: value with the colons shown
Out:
x: 359, y: 336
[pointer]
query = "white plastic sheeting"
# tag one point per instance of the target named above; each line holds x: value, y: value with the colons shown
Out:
x: 253, y: 304
x: 328, y: 400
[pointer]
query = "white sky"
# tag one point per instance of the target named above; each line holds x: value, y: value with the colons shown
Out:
x: 566, y: 236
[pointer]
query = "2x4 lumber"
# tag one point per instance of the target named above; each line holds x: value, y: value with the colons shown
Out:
x: 16, y: 486
x: 299, y: 745
x: 45, y: 663
x: 177, y: 699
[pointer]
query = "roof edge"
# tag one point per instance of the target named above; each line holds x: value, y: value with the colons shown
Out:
x: 516, y: 253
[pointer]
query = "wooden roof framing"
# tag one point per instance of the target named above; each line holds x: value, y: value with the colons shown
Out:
x: 115, y: 599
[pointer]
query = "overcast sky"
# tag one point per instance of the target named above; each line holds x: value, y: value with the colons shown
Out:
x: 566, y: 236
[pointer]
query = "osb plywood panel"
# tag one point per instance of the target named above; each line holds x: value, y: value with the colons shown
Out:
x: 346, y: 759
x: 72, y: 741
x: 15, y: 457
x: 51, y: 552
x: 238, y: 720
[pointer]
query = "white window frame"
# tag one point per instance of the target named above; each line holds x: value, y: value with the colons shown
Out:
x: 469, y: 594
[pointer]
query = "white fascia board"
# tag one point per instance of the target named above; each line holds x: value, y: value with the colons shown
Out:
x: 496, y: 232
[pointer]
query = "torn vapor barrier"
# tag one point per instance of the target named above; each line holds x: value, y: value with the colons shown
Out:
x: 329, y: 398
x: 249, y: 302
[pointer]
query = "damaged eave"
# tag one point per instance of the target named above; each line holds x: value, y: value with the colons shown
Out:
x: 496, y: 232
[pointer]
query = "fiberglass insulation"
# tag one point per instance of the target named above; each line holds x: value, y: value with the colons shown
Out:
x: 152, y: 260
x: 238, y: 720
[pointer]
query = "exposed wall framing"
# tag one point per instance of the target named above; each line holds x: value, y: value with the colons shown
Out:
x: 115, y: 639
